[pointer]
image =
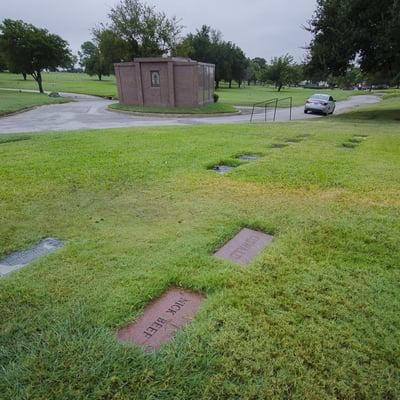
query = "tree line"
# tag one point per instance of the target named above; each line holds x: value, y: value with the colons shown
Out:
x: 353, y: 41
x: 135, y: 29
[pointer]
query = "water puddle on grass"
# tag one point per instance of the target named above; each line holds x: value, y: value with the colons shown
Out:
x: 20, y: 259
x: 162, y: 319
x: 245, y: 246
x: 293, y: 140
x: 222, y: 169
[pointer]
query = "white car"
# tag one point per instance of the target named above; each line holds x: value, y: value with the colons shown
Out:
x: 320, y: 103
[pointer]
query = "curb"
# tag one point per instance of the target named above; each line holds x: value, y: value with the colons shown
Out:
x: 160, y: 115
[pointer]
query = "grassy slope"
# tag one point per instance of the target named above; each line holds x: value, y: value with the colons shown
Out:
x: 15, y: 101
x: 63, y: 82
x: 253, y: 94
x: 316, y: 316
x: 82, y: 83
x: 214, y: 108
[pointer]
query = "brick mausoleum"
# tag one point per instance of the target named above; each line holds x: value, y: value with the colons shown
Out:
x: 170, y: 82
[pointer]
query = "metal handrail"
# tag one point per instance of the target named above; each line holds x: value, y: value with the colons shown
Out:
x: 290, y: 106
x: 267, y: 102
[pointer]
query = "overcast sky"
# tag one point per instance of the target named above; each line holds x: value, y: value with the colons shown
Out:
x: 262, y: 28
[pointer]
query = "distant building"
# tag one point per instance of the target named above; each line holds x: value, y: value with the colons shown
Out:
x: 170, y: 82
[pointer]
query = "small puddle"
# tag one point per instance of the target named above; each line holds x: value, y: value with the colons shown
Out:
x: 293, y: 140
x: 222, y: 169
x: 20, y: 259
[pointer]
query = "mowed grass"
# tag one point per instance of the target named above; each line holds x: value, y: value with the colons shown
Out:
x: 315, y: 316
x: 11, y: 102
x: 245, y: 96
x: 63, y: 82
x: 211, y: 108
x: 249, y: 95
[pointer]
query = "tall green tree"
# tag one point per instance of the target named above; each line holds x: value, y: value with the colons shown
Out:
x: 280, y: 72
x: 206, y: 45
x: 254, y: 68
x: 239, y: 65
x: 30, y: 50
x: 366, y: 31
x: 146, y: 31
x: 3, y: 65
x: 92, y: 60
x: 111, y: 46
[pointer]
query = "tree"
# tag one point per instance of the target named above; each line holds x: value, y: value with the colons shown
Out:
x: 111, y: 46
x: 93, y: 61
x: 348, y: 80
x: 145, y: 31
x: 346, y: 31
x: 396, y: 80
x: 3, y: 65
x: 206, y: 45
x: 254, y: 68
x: 296, y: 74
x: 239, y: 65
x: 30, y: 50
x: 280, y: 71
x: 71, y: 67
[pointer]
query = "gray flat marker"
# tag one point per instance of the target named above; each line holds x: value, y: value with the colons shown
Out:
x: 245, y: 246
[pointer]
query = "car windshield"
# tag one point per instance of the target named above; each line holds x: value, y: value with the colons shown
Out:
x: 324, y: 97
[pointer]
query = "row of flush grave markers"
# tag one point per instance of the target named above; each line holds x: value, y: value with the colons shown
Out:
x: 221, y: 168
x: 163, y: 317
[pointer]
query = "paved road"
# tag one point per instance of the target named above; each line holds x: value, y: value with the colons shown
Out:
x: 89, y: 112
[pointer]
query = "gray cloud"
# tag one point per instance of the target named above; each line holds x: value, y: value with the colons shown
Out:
x: 264, y: 28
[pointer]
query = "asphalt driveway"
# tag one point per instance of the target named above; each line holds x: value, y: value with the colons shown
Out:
x: 89, y: 112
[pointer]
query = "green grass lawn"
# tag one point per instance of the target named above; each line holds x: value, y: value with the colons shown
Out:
x: 15, y: 101
x: 212, y: 108
x: 82, y: 83
x: 249, y: 95
x: 315, y: 316
x: 63, y: 82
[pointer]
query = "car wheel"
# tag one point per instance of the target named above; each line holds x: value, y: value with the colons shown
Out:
x: 305, y: 111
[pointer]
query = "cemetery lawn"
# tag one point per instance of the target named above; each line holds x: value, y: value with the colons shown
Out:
x: 11, y: 102
x: 84, y: 84
x: 212, y: 108
x: 247, y: 96
x: 315, y: 316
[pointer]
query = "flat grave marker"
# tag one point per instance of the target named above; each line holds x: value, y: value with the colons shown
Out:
x: 278, y: 145
x: 249, y: 157
x: 20, y: 259
x: 245, y: 246
x: 162, y: 318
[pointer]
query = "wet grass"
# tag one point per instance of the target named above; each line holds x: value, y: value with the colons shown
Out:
x: 11, y: 101
x: 82, y: 83
x: 315, y: 316
x: 13, y: 139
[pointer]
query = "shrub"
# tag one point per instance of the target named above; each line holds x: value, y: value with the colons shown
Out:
x: 216, y: 98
